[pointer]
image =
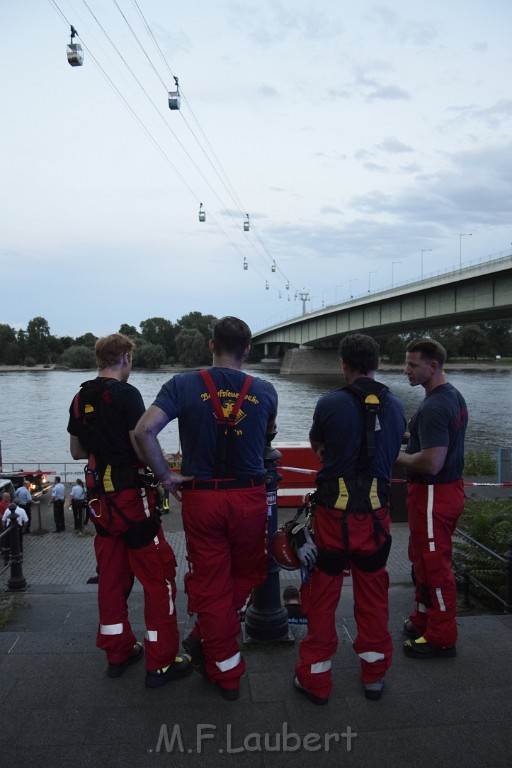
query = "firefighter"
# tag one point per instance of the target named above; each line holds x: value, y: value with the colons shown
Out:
x: 357, y: 432
x: 129, y: 539
x: 224, y: 419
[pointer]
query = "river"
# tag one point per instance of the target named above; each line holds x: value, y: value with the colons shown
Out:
x: 34, y: 408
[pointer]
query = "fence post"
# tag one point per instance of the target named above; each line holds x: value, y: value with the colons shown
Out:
x: 266, y: 619
x: 508, y: 596
x: 17, y: 582
x: 466, y: 583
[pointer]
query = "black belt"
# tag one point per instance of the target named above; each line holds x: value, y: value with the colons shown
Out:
x: 222, y: 484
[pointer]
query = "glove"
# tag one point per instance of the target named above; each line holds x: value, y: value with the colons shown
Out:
x: 305, y: 548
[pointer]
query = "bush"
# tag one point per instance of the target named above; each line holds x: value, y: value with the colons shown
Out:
x: 479, y: 463
x: 29, y: 362
x: 489, y: 523
x: 148, y: 355
x: 78, y: 356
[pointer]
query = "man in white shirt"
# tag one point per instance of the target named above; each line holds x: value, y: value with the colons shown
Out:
x: 22, y: 520
x: 57, y: 499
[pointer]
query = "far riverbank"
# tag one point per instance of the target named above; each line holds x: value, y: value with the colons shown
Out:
x: 271, y: 366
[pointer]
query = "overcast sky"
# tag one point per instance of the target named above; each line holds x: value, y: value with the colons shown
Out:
x: 355, y: 135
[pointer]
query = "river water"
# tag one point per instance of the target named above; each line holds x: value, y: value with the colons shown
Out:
x: 34, y: 408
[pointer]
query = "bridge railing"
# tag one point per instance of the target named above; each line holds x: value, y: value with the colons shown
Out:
x: 472, y: 266
x: 67, y: 470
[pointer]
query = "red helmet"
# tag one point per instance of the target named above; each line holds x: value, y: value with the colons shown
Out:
x: 282, y: 548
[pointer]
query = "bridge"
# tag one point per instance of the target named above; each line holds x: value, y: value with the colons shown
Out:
x: 472, y: 294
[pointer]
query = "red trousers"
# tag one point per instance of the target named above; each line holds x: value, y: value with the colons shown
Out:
x: 320, y: 599
x: 154, y: 565
x: 433, y: 514
x: 226, y: 550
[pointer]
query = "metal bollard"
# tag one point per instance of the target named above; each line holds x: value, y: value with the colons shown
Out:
x: 266, y: 618
x: 17, y: 582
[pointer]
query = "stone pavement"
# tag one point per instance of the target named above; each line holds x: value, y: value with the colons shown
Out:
x: 59, y: 709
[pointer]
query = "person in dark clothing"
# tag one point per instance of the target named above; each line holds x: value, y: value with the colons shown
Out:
x: 433, y: 461
x: 129, y: 538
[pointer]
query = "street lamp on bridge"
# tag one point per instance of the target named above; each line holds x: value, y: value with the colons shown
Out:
x: 463, y: 234
x: 354, y: 280
x: 423, y: 250
x: 393, y: 272
x: 369, y: 278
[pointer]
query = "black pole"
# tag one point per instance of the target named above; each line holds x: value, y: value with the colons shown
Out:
x: 508, y: 556
x: 17, y: 582
x: 266, y: 618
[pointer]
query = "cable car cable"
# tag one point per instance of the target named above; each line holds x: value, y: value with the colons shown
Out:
x: 148, y: 132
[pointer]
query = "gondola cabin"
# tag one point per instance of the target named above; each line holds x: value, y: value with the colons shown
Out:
x: 202, y: 214
x: 246, y: 224
x: 174, y: 99
x: 74, y: 51
x: 174, y: 96
x: 75, y: 54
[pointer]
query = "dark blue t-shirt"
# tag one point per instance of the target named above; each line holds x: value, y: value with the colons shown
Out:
x: 440, y: 421
x: 186, y: 397
x: 339, y: 422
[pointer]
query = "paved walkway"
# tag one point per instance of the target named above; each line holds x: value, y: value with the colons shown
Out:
x: 59, y: 709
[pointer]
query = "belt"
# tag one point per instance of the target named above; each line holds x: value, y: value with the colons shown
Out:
x: 222, y: 484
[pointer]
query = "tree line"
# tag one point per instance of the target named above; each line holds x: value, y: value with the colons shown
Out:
x: 185, y: 343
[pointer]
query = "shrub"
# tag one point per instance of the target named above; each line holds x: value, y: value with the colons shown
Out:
x: 479, y: 463
x: 489, y: 523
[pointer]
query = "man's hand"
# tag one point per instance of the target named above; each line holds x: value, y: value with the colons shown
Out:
x: 172, y: 483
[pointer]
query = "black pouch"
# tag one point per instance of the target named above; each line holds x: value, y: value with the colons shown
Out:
x: 140, y: 534
x: 375, y: 561
x: 332, y: 561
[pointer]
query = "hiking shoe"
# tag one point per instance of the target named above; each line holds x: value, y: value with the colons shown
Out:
x: 116, y: 670
x: 181, y: 667
x: 422, y: 649
x: 409, y: 630
x: 311, y: 696
x: 230, y: 694
x: 373, y: 691
x: 194, y: 648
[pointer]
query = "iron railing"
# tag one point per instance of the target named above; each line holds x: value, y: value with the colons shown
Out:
x: 468, y: 578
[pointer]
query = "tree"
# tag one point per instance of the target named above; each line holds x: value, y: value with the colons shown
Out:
x: 450, y: 339
x: 146, y: 355
x: 158, y: 330
x: 7, y: 338
x: 38, y: 333
x: 129, y: 330
x: 87, y: 340
x: 499, y: 336
x: 79, y: 356
x: 473, y: 342
x: 190, y: 347
x: 202, y: 323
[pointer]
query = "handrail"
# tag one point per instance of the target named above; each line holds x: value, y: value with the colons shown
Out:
x: 61, y: 468
x: 468, y: 578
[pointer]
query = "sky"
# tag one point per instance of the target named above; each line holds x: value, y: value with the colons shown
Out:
x: 370, y: 143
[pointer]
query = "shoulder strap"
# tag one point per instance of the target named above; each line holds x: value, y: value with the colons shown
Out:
x: 230, y: 420
x: 224, y: 463
x: 370, y: 394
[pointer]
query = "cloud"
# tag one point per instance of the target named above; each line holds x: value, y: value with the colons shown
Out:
x: 393, y: 146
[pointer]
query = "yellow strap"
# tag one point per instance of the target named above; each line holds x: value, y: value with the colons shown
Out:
x: 107, y: 479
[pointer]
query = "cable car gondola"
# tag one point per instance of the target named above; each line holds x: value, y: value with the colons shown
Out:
x: 74, y: 51
x: 274, y: 266
x: 266, y: 285
x: 246, y: 223
x: 174, y: 96
x: 246, y: 265
x: 202, y: 214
